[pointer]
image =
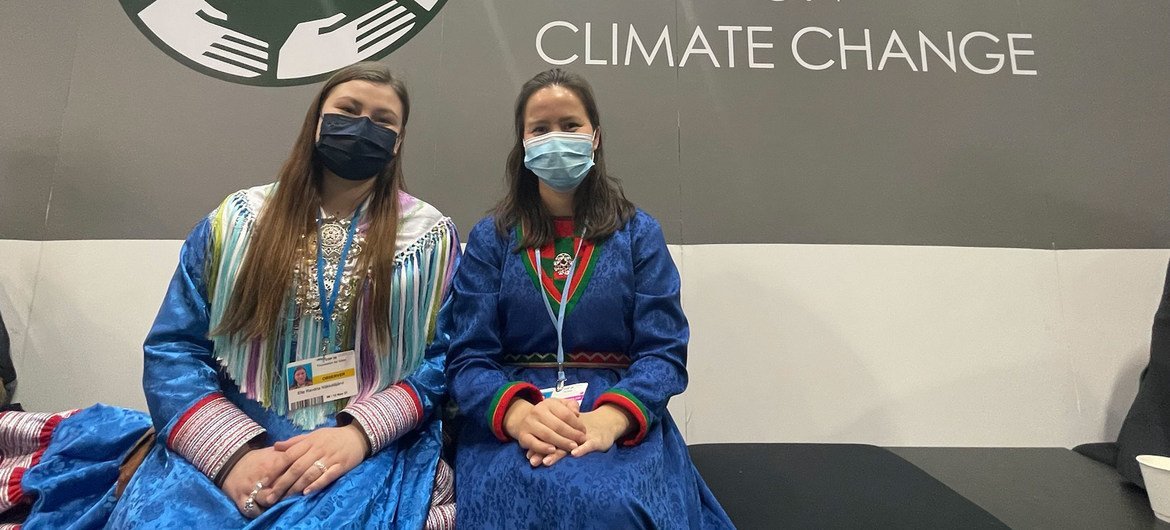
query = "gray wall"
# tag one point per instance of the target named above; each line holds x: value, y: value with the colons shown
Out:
x: 131, y: 144
x: 939, y: 343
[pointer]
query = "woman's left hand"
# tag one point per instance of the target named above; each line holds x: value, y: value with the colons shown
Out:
x: 319, y: 458
x: 603, y: 426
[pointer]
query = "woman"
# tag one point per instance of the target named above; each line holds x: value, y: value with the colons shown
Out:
x: 568, y: 286
x: 300, y: 378
x: 334, y: 264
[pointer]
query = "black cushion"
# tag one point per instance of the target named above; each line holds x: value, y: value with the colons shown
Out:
x: 830, y: 486
x: 1103, y: 452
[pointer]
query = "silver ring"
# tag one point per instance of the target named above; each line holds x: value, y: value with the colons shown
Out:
x: 250, y: 502
x: 320, y: 466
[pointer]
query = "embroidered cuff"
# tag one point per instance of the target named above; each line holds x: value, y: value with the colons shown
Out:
x: 210, y: 432
x: 441, y: 517
x: 500, y: 403
x: 27, y: 435
x: 387, y: 415
x: 444, y: 490
x: 632, y: 405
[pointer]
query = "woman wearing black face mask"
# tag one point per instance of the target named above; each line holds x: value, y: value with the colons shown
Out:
x: 333, y: 266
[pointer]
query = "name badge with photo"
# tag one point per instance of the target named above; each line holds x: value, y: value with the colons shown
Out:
x: 325, y: 378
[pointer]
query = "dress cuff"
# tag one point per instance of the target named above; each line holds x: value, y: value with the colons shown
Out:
x: 386, y: 415
x: 504, y: 397
x: 633, y: 406
x: 27, y: 436
x: 210, y: 432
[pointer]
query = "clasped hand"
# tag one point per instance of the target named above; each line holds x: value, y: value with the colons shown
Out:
x: 300, y: 465
x: 555, y: 428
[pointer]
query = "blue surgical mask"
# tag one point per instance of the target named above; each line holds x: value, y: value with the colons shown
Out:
x: 560, y: 159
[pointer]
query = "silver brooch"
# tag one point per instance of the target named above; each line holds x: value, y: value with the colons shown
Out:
x: 561, y: 264
x: 332, y: 237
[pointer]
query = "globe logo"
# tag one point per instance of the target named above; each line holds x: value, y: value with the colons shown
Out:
x: 278, y: 42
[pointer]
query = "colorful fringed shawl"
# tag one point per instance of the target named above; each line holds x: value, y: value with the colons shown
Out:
x: 423, y: 256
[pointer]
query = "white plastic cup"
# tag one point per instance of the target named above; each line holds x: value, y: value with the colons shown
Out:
x: 1156, y: 474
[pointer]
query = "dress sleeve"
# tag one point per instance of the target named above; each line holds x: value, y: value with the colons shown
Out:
x: 477, y: 383
x: 385, y: 416
x: 180, y: 375
x: 659, y: 350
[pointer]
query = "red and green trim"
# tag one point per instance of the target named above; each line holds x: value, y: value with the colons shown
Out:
x: 633, y: 406
x: 504, y: 397
x: 546, y: 283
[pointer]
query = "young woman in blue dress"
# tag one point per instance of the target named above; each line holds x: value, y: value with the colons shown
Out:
x: 568, y: 339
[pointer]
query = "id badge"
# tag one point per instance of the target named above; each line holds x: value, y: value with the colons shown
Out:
x: 574, y: 392
x: 325, y: 378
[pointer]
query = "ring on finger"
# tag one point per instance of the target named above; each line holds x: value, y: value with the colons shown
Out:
x: 320, y: 466
x: 250, y: 502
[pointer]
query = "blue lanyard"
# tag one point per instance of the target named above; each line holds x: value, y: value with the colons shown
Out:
x: 327, y: 306
x: 558, y: 319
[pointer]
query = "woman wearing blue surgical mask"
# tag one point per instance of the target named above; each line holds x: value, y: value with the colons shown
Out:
x: 567, y: 341
x: 288, y: 373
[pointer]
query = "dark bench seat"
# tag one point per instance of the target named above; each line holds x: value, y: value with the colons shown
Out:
x: 863, y: 486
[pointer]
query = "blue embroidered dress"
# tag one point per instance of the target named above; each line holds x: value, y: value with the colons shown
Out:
x: 207, y: 399
x: 625, y: 335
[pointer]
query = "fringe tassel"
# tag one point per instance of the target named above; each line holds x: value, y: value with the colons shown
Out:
x: 417, y: 289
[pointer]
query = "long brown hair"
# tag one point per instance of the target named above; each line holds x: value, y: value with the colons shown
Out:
x: 599, y: 202
x: 263, y: 285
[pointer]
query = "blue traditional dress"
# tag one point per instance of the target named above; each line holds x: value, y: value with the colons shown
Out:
x: 624, y: 334
x: 208, y: 398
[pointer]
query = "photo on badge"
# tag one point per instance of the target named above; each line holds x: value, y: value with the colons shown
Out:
x: 300, y: 376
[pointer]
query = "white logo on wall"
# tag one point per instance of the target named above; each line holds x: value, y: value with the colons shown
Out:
x: 278, y: 42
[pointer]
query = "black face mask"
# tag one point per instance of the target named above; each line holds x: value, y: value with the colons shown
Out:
x: 354, y: 148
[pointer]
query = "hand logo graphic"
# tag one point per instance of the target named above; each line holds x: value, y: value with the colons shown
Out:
x: 316, y: 46
x: 190, y: 27
x: 278, y: 42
